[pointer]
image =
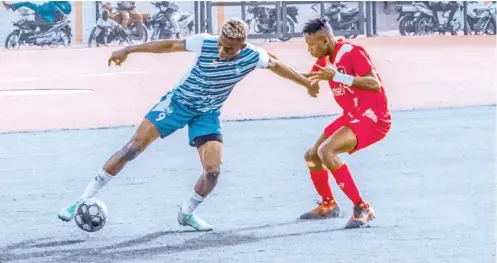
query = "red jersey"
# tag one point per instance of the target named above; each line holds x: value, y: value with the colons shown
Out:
x: 354, y: 60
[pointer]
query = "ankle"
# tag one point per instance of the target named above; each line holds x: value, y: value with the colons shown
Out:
x: 362, y: 204
x: 328, y: 202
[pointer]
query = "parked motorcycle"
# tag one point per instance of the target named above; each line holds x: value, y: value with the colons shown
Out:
x: 406, y: 17
x: 131, y: 29
x: 472, y: 18
x: 486, y: 21
x: 263, y: 20
x: 341, y: 17
x: 34, y: 33
x: 110, y: 34
x: 161, y: 25
x: 425, y: 23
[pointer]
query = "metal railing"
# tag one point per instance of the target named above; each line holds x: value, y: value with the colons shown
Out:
x: 281, y: 20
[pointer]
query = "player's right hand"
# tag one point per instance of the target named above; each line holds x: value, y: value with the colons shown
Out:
x: 118, y: 57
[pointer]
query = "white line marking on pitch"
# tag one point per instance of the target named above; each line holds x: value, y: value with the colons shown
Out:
x: 82, y: 75
x: 21, y: 79
x: 112, y: 74
x: 15, y: 93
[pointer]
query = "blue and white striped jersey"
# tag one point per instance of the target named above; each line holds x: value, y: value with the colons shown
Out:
x: 209, y: 82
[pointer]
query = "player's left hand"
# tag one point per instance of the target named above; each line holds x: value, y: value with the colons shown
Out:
x: 325, y: 73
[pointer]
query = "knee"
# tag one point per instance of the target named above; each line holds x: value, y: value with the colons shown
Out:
x: 329, y: 156
x: 211, y: 172
x: 311, y: 155
x: 311, y: 158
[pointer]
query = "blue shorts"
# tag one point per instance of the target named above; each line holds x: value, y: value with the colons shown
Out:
x: 170, y: 115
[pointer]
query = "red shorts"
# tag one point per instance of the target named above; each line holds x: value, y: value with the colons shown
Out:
x: 366, y: 130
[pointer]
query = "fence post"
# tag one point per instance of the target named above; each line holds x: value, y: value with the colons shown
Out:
x: 361, y: 18
x: 209, y: 17
x: 284, y: 22
x: 197, y: 13
x: 244, y: 12
x: 278, y: 19
x: 368, y: 19
x: 97, y: 10
x: 465, y: 15
x: 202, y: 17
x: 374, y: 18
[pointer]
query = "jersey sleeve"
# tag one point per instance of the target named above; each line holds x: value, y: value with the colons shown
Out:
x: 361, y: 63
x: 194, y: 43
x: 321, y: 62
x: 263, y: 58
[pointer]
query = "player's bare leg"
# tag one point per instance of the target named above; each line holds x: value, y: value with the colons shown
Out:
x: 328, y: 207
x: 345, y: 140
x: 143, y: 137
x: 210, y: 155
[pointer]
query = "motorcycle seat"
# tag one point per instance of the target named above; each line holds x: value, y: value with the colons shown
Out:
x: 350, y: 12
x: 409, y: 9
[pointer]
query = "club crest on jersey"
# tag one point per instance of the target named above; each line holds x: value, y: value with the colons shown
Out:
x: 338, y: 91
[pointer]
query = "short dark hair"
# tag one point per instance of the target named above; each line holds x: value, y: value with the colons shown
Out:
x: 314, y: 25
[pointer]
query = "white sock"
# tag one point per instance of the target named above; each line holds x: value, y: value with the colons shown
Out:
x: 191, y: 203
x: 96, y: 184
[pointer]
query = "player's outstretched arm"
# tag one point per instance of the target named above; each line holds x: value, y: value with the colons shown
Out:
x: 287, y: 72
x: 160, y: 46
x: 369, y: 81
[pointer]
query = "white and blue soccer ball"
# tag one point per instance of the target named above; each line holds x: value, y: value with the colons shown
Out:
x: 91, y: 215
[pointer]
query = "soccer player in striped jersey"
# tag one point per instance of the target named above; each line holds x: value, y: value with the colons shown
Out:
x: 221, y: 62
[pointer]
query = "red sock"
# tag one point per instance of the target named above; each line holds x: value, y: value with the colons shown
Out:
x: 321, y: 182
x: 345, y: 181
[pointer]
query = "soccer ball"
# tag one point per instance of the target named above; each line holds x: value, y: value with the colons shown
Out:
x: 91, y: 215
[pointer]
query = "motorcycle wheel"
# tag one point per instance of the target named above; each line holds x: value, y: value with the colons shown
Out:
x: 405, y: 25
x: 291, y: 29
x: 490, y: 29
x: 145, y: 34
x: 12, y: 40
x: 354, y: 26
x: 471, y: 31
x: 66, y: 39
x: 423, y: 26
x: 133, y: 34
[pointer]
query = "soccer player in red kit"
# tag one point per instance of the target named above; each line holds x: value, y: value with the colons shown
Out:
x: 365, y: 120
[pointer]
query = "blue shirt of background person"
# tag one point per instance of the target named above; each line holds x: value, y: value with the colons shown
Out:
x: 46, y: 10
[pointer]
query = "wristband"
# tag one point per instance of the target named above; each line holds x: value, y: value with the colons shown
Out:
x: 343, y: 78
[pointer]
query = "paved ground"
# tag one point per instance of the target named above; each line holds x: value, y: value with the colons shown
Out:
x: 431, y: 182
